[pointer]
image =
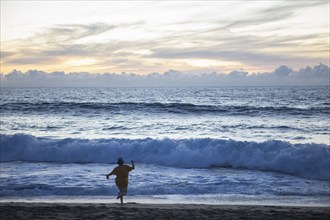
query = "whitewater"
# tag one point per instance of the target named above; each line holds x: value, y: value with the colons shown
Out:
x: 215, y: 145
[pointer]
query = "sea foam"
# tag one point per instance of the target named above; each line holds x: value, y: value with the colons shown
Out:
x: 310, y: 161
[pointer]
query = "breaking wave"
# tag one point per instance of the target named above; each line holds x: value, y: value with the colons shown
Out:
x: 305, y: 160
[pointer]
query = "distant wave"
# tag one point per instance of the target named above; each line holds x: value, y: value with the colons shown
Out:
x: 156, y: 107
x: 304, y: 160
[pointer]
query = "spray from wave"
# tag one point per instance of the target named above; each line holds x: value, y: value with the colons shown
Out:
x: 310, y: 161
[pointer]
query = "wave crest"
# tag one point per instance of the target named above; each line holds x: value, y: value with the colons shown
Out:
x: 157, y: 107
x: 306, y: 160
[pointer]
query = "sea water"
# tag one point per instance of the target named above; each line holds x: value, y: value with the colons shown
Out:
x: 216, y: 145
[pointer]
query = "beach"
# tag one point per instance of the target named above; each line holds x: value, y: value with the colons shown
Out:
x: 20, y: 210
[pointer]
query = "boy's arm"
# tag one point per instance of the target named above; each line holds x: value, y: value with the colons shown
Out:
x: 109, y: 174
x: 133, y: 166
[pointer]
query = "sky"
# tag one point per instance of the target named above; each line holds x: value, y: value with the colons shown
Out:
x: 146, y: 37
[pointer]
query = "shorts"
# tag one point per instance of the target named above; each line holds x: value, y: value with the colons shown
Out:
x: 122, y: 185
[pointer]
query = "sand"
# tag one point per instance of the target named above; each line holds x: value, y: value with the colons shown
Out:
x: 18, y: 210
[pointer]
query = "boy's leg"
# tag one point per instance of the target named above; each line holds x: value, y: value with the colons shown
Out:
x: 121, y: 199
x: 123, y: 192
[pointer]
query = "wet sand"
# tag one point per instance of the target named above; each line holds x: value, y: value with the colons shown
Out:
x: 20, y: 210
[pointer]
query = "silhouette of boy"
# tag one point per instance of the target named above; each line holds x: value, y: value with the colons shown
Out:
x: 121, y: 173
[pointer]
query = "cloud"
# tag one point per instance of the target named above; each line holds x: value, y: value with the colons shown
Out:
x: 253, y: 56
x: 282, y: 71
x: 318, y: 75
x: 70, y: 33
x: 251, y: 35
x: 293, y: 5
x: 283, y: 10
x: 59, y: 44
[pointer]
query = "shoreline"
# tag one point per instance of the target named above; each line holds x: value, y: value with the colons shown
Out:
x: 207, y: 199
x: 34, y: 210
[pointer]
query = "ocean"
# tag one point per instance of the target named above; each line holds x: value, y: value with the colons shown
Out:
x: 211, y: 145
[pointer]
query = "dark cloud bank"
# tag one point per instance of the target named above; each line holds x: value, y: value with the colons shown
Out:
x: 318, y: 75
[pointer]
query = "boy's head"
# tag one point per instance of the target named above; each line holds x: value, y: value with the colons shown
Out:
x: 120, y: 161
